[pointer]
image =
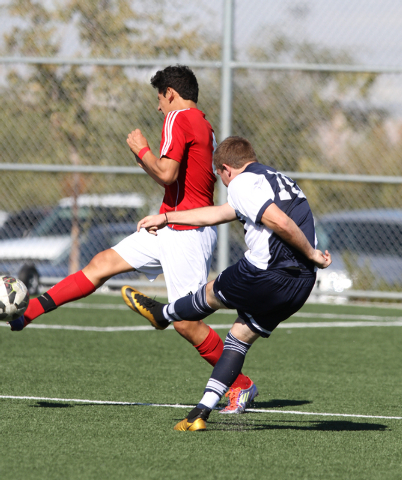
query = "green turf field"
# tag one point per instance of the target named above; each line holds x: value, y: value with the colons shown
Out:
x: 348, y: 369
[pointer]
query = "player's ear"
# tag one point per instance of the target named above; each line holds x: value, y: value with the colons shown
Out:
x: 228, y: 168
x: 170, y: 94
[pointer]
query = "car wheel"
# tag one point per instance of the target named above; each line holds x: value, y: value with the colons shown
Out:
x: 30, y: 276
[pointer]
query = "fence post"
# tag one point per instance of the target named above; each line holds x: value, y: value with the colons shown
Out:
x: 226, y: 121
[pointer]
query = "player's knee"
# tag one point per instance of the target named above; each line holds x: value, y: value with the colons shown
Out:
x: 100, y: 260
x: 100, y: 268
x: 193, y: 332
x: 180, y: 327
x: 186, y: 328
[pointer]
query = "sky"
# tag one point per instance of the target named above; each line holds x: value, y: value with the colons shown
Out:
x: 370, y: 29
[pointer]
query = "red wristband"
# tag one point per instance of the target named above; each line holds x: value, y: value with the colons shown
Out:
x: 143, y: 151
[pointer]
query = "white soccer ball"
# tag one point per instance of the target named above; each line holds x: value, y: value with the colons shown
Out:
x: 14, y: 298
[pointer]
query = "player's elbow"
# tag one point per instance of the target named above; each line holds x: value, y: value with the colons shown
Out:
x: 282, y: 226
x: 168, y: 178
x: 286, y: 223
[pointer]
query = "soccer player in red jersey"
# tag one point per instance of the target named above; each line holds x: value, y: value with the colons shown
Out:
x: 182, y: 253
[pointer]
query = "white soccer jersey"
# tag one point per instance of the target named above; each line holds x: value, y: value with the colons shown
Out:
x: 249, y: 194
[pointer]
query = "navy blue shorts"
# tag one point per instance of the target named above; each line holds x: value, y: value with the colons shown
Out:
x: 263, y: 298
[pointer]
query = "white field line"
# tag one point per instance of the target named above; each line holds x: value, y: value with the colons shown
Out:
x: 374, y: 318
x: 255, y: 410
x: 355, y: 321
x: 140, y: 328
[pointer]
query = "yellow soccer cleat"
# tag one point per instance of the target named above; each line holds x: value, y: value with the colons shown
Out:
x: 196, y: 421
x: 127, y: 293
x: 198, y: 425
x: 145, y: 306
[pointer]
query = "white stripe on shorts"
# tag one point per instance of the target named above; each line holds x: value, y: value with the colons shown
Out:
x: 255, y: 324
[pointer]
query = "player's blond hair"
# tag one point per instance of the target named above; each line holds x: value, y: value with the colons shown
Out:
x: 234, y: 151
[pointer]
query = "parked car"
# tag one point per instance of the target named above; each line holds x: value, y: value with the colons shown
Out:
x: 96, y: 240
x: 371, y: 239
x: 20, y: 224
x: 46, y: 249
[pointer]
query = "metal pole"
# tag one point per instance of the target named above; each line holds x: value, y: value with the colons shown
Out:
x: 226, y: 120
x: 153, y: 63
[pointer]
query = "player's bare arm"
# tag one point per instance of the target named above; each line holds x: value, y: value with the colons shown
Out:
x: 163, y: 170
x: 276, y: 220
x: 198, y: 217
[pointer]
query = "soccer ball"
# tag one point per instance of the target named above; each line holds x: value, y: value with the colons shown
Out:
x: 14, y: 298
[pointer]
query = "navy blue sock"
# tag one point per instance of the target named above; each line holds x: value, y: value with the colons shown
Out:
x: 191, y: 307
x: 229, y: 364
x: 225, y: 371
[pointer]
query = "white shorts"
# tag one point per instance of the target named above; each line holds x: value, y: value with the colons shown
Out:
x: 183, y: 256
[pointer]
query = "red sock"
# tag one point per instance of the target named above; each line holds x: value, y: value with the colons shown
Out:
x: 211, y: 349
x: 72, y: 288
x: 242, y: 381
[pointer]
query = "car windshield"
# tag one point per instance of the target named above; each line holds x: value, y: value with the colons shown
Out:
x: 59, y: 222
x: 376, y: 238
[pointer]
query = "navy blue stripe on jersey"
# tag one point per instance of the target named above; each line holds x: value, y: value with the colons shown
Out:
x: 282, y: 254
x: 263, y: 208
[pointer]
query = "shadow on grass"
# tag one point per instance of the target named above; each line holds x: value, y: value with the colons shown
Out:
x: 72, y: 405
x: 271, y: 404
x: 244, y: 423
x: 313, y: 425
x: 51, y: 405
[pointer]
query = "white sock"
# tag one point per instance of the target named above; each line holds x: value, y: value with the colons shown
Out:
x: 166, y: 314
x: 210, y: 399
x: 170, y: 314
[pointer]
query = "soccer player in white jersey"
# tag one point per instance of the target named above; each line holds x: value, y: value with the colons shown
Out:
x: 182, y: 253
x: 268, y: 285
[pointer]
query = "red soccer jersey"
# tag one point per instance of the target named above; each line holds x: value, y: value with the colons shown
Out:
x: 188, y: 138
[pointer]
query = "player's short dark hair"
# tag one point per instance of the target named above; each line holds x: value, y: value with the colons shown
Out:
x: 234, y: 151
x: 178, y: 77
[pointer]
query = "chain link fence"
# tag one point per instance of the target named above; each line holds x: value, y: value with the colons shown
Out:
x: 314, y: 87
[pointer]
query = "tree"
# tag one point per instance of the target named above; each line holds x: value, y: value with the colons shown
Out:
x: 316, y: 122
x: 83, y: 107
